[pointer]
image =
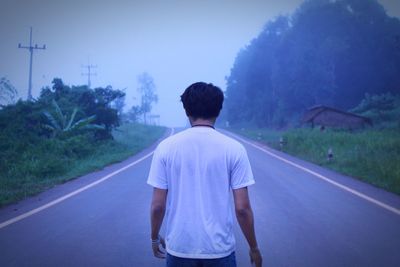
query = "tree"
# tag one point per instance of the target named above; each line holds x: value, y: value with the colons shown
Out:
x: 251, y: 96
x: 97, y: 102
x: 326, y: 53
x: 119, y: 104
x: 147, y: 89
x: 8, y: 93
x: 134, y: 113
x: 383, y: 110
x: 107, y: 95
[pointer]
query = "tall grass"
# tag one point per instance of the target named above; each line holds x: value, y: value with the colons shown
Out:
x: 27, y: 168
x: 370, y: 155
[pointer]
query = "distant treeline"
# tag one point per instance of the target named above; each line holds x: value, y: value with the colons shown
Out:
x: 328, y: 52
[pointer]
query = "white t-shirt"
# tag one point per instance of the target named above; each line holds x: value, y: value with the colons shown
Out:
x: 199, y: 167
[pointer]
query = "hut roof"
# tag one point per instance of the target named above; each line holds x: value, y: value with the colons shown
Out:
x: 316, y: 111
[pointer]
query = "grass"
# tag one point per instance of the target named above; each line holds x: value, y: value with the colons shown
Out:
x: 371, y: 155
x: 47, y: 162
x: 129, y: 139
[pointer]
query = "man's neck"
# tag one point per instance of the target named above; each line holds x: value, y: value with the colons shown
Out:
x: 202, y: 122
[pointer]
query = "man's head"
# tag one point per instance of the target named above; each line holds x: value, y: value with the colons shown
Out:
x: 202, y: 101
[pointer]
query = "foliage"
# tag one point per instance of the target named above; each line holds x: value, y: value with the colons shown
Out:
x: 147, y: 90
x: 119, y: 104
x: 8, y: 93
x: 377, y: 102
x: 133, y: 114
x: 370, y: 155
x: 327, y: 52
x: 60, y: 123
x: 30, y: 120
x: 383, y: 109
x: 97, y: 102
x: 31, y: 164
x: 66, y: 132
x: 23, y: 120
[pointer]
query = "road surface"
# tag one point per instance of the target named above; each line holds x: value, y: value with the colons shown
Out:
x: 305, y: 216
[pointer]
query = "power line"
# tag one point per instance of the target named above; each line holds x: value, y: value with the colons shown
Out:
x: 31, y: 48
x: 89, y: 72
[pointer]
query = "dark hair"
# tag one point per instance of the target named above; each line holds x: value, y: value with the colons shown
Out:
x: 202, y: 100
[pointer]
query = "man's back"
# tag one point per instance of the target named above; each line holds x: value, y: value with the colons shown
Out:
x: 193, y: 175
x: 199, y: 167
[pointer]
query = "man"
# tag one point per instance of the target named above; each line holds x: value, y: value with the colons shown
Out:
x: 193, y: 174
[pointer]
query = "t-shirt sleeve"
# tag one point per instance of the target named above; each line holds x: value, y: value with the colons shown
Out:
x: 241, y: 173
x: 157, y: 175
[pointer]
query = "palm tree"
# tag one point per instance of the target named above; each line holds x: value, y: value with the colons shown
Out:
x: 60, y: 123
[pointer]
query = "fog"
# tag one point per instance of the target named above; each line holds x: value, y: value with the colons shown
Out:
x: 177, y: 42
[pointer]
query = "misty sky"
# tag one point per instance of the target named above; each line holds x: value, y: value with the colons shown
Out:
x: 178, y: 42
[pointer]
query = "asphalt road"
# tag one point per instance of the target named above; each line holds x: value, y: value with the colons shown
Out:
x: 305, y: 216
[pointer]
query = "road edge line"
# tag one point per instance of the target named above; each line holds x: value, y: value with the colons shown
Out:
x: 322, y: 177
x: 73, y: 193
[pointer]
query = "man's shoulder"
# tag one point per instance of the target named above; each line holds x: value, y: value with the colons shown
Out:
x: 231, y: 142
x: 171, y: 140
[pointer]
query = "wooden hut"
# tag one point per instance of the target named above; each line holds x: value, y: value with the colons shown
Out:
x: 330, y: 117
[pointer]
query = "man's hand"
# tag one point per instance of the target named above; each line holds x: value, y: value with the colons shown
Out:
x: 157, y: 212
x: 244, y: 215
x: 157, y: 252
x: 255, y: 257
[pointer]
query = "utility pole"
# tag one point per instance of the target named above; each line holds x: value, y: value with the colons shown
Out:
x: 31, y: 48
x: 89, y: 72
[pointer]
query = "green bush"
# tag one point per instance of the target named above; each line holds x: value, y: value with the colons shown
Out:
x: 66, y: 132
x: 33, y: 164
x: 383, y: 110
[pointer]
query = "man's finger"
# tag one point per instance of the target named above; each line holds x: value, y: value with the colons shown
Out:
x: 162, y: 241
x: 159, y: 250
x: 160, y: 254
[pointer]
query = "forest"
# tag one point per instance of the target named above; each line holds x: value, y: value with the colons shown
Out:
x: 338, y: 53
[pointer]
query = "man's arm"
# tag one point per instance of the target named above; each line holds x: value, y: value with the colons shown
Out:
x: 244, y: 215
x: 157, y: 212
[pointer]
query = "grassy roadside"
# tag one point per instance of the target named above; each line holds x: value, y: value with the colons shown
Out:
x: 50, y: 162
x: 371, y: 155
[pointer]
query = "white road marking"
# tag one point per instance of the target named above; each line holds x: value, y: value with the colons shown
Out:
x: 80, y: 190
x: 320, y: 176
